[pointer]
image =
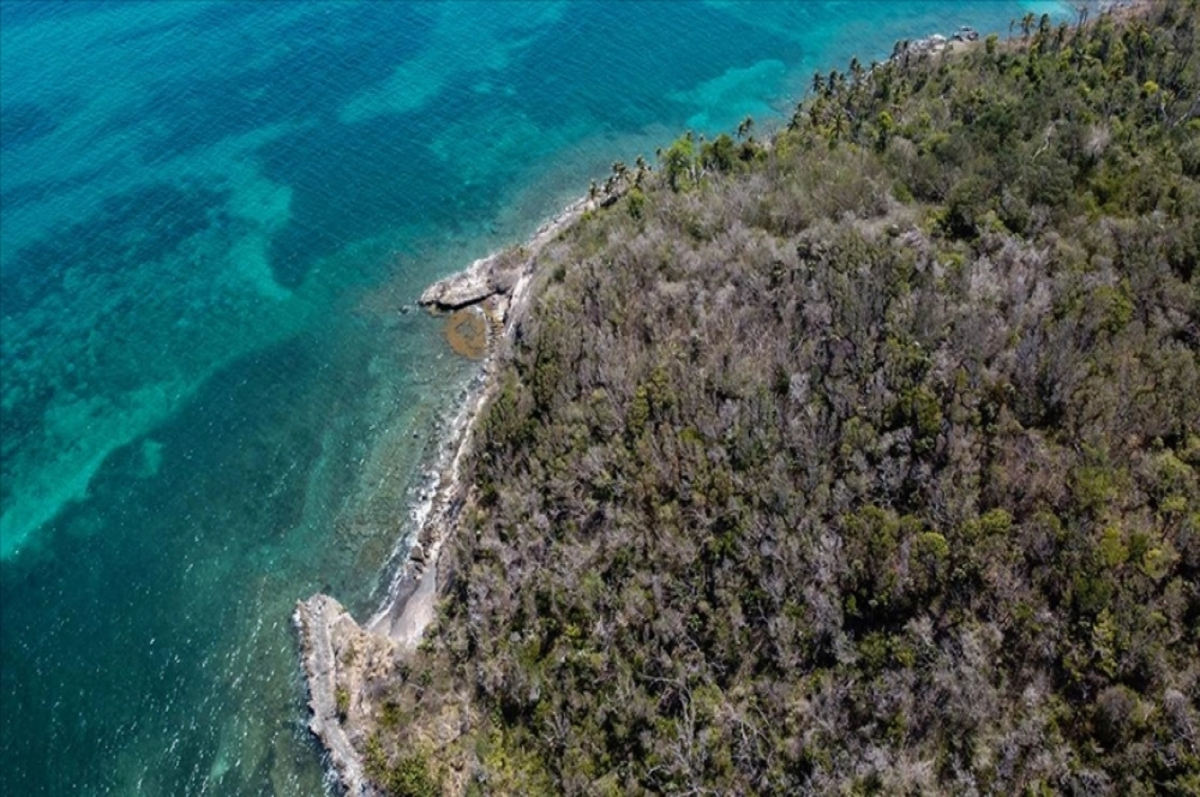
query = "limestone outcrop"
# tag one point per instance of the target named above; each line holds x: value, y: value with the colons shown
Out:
x: 347, y: 665
x: 489, y: 276
x: 340, y: 662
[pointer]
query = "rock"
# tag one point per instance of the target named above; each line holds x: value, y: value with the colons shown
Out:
x: 503, y: 279
x: 494, y: 275
x: 460, y: 290
x: 339, y: 656
x: 931, y: 45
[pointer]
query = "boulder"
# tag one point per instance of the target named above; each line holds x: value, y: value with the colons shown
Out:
x: 459, y: 290
x: 488, y: 276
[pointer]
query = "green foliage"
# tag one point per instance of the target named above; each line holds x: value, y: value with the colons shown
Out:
x: 679, y: 162
x: 719, y: 154
x: 872, y: 468
x: 512, y: 767
x: 969, y: 201
x: 408, y: 776
x: 342, y: 700
x: 887, y: 126
x: 635, y: 202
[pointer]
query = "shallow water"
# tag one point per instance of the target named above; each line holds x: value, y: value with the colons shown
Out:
x: 212, y: 404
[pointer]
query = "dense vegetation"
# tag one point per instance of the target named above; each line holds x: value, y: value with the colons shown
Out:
x: 865, y: 461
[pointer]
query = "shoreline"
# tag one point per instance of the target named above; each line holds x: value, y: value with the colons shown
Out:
x: 500, y: 284
x: 340, y: 657
x: 408, y: 608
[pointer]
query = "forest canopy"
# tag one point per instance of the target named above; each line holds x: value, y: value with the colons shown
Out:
x: 864, y: 459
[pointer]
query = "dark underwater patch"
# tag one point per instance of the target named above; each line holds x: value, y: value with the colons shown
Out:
x: 20, y: 12
x: 312, y: 79
x: 579, y: 52
x: 38, y: 190
x: 383, y: 176
x: 23, y: 123
x: 126, y: 231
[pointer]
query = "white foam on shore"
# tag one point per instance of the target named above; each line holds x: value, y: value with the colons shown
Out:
x: 437, y: 484
x: 432, y: 523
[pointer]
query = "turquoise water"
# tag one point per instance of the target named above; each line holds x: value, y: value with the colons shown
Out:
x: 212, y: 403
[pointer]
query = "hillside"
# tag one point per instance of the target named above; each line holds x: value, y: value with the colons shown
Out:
x: 862, y: 460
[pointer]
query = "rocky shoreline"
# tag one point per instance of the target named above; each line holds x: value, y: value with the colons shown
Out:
x: 339, y: 680
x: 342, y: 660
x: 937, y: 43
x: 328, y: 635
x: 347, y: 664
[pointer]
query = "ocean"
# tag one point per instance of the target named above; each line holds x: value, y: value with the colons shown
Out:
x: 216, y: 396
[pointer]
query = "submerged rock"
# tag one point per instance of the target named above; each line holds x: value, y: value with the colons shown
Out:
x: 467, y: 332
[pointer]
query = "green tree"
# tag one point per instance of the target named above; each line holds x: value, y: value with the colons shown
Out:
x: 679, y: 161
x: 719, y: 154
x: 1027, y: 25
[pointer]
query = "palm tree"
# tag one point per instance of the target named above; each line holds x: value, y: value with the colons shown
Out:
x: 1026, y: 25
x: 744, y: 127
x: 856, y: 71
x: 839, y: 124
x: 1060, y: 36
x: 818, y: 84
x: 640, y: 163
x: 836, y: 82
x: 815, y: 112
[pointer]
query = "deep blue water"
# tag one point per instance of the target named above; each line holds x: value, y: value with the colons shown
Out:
x: 211, y: 405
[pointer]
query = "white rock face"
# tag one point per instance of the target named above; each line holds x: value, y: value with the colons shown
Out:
x: 488, y: 276
x: 461, y: 289
x: 345, y: 664
x: 500, y: 273
x: 338, y: 656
